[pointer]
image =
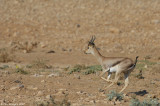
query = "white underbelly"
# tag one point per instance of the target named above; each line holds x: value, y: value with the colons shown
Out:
x: 113, y: 69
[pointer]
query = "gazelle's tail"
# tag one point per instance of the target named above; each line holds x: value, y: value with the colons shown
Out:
x: 134, y: 65
x: 136, y: 60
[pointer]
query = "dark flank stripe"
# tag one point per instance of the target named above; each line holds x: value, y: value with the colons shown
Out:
x: 116, y: 63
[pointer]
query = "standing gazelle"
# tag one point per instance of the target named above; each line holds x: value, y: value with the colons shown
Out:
x: 112, y: 64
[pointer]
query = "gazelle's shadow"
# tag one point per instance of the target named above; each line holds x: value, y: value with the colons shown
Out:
x: 140, y: 93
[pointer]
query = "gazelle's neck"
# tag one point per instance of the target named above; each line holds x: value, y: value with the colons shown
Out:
x: 97, y: 54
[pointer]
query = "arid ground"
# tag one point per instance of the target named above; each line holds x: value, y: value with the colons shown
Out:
x: 42, y: 43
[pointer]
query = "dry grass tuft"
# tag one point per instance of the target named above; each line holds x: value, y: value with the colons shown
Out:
x: 6, y: 55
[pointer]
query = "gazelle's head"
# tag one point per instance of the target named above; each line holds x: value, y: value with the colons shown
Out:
x: 91, y: 46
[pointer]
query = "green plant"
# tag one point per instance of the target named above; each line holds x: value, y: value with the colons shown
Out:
x: 87, y: 70
x: 150, y: 102
x: 27, y: 46
x: 135, y: 102
x: 146, y: 102
x: 52, y: 102
x: 64, y: 102
x: 77, y: 68
x: 42, y: 103
x: 92, y: 69
x: 4, y: 67
x: 66, y: 69
x: 20, y: 70
x: 139, y: 75
x: 141, y: 64
x: 114, y: 94
x: 39, y: 63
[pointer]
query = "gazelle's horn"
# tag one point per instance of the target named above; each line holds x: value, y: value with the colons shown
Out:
x: 93, y: 39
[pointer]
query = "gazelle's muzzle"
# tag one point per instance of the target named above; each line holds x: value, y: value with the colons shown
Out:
x: 86, y: 51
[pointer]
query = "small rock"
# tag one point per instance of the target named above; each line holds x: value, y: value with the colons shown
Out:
x: 17, y: 81
x: 77, y: 76
x: 48, y: 97
x: 132, y: 50
x: 63, y: 49
x: 20, y: 86
x: 37, y: 75
x: 51, y: 51
x: 43, y: 45
x: 155, y: 21
x: 81, y: 92
x: 43, y: 81
x: 62, y: 91
x: 101, y: 90
x: 145, y: 66
x: 78, y: 25
x: 40, y: 93
x: 24, y: 51
x: 15, y: 34
x: 54, y: 75
x: 32, y: 88
x: 17, y: 87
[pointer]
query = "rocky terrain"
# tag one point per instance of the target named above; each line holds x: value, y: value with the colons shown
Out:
x: 41, y: 42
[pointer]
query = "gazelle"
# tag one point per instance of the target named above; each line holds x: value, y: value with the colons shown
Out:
x: 112, y: 64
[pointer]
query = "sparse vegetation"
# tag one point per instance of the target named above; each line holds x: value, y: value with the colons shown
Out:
x: 139, y: 75
x: 86, y: 69
x: 92, y: 69
x: 26, y: 46
x: 146, y: 102
x: 6, y: 55
x: 135, y: 102
x: 39, y: 64
x: 141, y: 64
x: 114, y: 95
x: 77, y: 68
x: 42, y: 103
x: 62, y: 29
x: 147, y: 57
x: 52, y: 102
x: 4, y: 67
x: 20, y: 70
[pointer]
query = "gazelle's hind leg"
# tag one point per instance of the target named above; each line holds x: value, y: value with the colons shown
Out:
x: 115, y: 80
x: 126, y: 81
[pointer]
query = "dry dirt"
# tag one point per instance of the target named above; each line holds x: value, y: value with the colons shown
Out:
x: 29, y: 29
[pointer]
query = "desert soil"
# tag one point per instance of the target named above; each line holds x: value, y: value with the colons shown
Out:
x: 55, y: 33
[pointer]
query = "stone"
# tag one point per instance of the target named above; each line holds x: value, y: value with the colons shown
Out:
x: 146, y: 66
x: 40, y: 93
x: 48, y: 97
x: 20, y: 86
x: 43, y: 81
x: 37, y: 75
x: 155, y: 21
x: 24, y: 51
x: 32, y: 87
x: 77, y: 76
x: 54, y: 75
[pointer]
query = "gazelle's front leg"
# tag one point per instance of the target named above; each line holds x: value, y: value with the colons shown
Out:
x: 109, y: 75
